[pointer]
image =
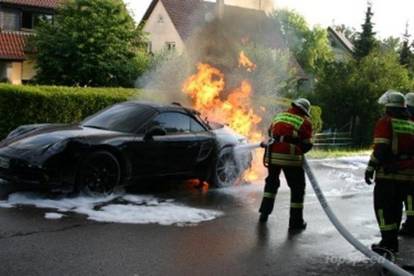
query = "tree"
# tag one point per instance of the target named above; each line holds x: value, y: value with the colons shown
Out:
x: 89, y: 43
x: 406, y: 55
x: 348, y: 92
x: 349, y: 32
x: 366, y: 41
x: 391, y: 44
x: 311, y: 47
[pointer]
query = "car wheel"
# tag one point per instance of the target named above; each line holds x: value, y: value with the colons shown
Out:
x: 99, y: 173
x: 6, y: 189
x: 226, y: 170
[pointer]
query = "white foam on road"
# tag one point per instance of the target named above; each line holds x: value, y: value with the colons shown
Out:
x: 345, y: 163
x: 131, y: 209
x: 54, y: 216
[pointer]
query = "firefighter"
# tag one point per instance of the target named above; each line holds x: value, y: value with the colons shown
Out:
x: 407, y: 228
x: 392, y: 164
x: 291, y: 133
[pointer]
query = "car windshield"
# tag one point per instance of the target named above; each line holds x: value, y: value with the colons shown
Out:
x: 122, y: 117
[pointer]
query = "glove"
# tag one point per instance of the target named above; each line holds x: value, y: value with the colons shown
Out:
x: 263, y: 144
x: 369, y: 176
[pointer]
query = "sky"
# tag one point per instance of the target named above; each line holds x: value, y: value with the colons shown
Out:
x: 390, y: 16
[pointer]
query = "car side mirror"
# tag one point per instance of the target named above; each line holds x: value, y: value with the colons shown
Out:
x: 155, y: 131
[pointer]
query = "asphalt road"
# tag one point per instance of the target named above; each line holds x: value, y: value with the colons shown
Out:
x: 232, y: 244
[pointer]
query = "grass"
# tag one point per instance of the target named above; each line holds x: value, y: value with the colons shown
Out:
x: 335, y: 153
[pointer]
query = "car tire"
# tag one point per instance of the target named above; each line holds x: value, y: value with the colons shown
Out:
x: 226, y: 171
x: 99, y: 174
x: 6, y: 189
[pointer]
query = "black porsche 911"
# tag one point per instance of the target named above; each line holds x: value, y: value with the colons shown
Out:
x: 120, y: 146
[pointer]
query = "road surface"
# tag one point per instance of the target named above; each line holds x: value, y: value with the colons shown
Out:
x: 182, y: 230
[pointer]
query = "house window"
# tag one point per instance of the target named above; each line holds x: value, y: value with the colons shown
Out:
x: 10, y: 20
x: 160, y: 19
x: 3, y: 71
x: 149, y: 47
x: 170, y: 46
x: 31, y: 20
x: 27, y: 20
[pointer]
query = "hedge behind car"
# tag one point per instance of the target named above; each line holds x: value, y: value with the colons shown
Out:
x: 21, y: 105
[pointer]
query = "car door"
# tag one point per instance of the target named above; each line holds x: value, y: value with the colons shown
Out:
x: 177, y: 148
x: 205, y: 141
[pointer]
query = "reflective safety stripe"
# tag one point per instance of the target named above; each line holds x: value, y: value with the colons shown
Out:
x: 286, y: 159
x: 400, y: 127
x: 294, y: 205
x: 382, y: 141
x: 286, y: 163
x: 382, y: 225
x: 290, y: 119
x: 403, y: 126
x: 403, y: 175
x: 286, y: 156
x: 269, y: 195
x: 410, y: 211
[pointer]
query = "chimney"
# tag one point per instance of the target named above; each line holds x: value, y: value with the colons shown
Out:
x: 220, y: 8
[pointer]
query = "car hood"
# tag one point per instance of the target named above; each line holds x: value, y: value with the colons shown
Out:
x: 39, y: 140
x: 227, y: 136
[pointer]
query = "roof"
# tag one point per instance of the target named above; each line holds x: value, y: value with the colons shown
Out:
x: 48, y: 4
x: 187, y: 15
x: 241, y: 23
x: 346, y: 43
x: 12, y: 45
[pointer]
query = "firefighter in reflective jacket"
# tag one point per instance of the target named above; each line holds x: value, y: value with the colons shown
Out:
x: 407, y: 228
x: 292, y: 133
x: 393, y: 165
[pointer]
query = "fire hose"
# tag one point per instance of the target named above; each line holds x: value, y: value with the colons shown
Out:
x: 385, y: 263
x: 373, y: 256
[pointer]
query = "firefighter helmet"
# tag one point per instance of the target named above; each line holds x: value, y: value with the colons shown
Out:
x: 393, y: 98
x: 410, y: 99
x: 304, y: 105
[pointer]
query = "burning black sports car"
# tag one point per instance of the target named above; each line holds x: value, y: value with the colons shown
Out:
x: 122, y: 145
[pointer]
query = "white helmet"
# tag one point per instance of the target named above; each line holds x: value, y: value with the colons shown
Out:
x: 410, y: 99
x: 393, y: 98
x: 304, y: 105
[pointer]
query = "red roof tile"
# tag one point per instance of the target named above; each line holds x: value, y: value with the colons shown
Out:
x: 49, y: 4
x: 12, y: 45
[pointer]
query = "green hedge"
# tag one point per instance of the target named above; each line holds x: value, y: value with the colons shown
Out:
x: 21, y: 105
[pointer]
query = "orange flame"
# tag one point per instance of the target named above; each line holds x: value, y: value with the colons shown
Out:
x: 206, y: 89
x: 245, y: 62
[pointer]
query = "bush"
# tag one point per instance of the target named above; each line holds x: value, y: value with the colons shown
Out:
x: 21, y: 105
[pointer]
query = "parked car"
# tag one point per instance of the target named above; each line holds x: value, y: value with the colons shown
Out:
x: 122, y: 145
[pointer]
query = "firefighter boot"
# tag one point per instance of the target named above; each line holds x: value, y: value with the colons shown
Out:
x: 266, y: 207
x: 296, y: 222
x: 407, y: 228
x: 389, y: 242
x: 263, y: 218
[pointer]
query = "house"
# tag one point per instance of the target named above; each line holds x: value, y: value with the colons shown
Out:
x: 341, y: 46
x: 18, y: 18
x: 170, y: 25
